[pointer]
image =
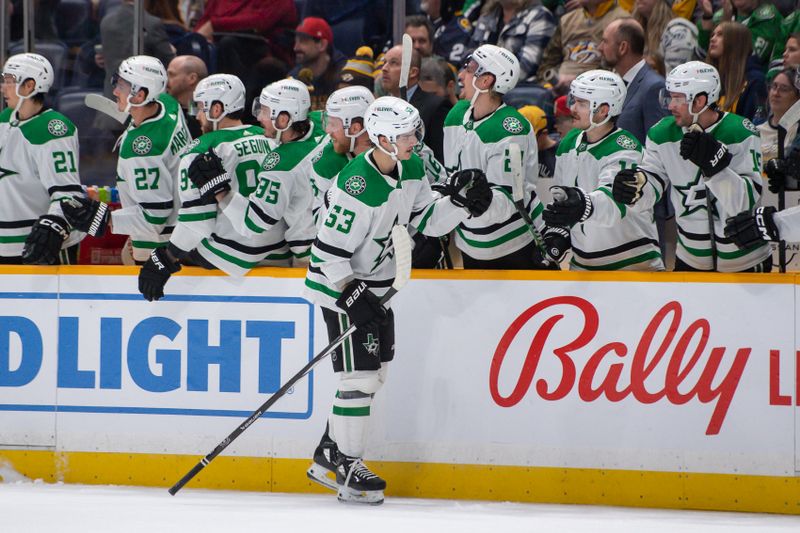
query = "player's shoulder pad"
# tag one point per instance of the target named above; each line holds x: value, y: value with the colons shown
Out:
x: 154, y: 137
x: 455, y: 117
x: 569, y: 141
x: 46, y: 127
x: 733, y: 129
x: 505, y: 122
x: 362, y: 182
x: 413, y: 168
x: 665, y: 131
x: 327, y: 162
x: 287, y: 156
x: 618, y: 141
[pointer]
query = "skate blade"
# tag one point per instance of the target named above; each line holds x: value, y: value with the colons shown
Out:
x: 369, y: 497
x: 319, y: 474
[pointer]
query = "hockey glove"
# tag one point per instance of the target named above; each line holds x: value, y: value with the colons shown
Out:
x: 44, y: 242
x: 705, y: 151
x: 209, y: 176
x: 628, y: 185
x: 469, y: 189
x: 570, y: 206
x: 427, y: 251
x: 752, y: 229
x: 87, y: 215
x: 155, y: 273
x: 784, y: 173
x: 363, y: 308
x: 556, y: 242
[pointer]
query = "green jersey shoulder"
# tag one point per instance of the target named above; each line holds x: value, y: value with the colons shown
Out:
x: 46, y: 127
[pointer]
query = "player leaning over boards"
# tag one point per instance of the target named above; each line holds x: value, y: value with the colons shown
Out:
x: 477, y: 134
x: 352, y: 266
x: 700, y: 149
x: 605, y: 235
x: 38, y: 166
x: 277, y: 214
x: 147, y: 168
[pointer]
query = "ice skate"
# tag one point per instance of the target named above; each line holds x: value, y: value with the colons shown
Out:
x: 323, y: 469
x: 357, y: 483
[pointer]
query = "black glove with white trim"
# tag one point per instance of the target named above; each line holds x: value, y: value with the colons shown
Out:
x: 469, y: 189
x: 783, y: 174
x: 570, y: 206
x: 363, y: 308
x: 556, y: 242
x: 628, y: 185
x: 155, y: 273
x: 87, y: 215
x: 705, y: 151
x: 748, y: 229
x: 209, y: 176
x: 43, y: 244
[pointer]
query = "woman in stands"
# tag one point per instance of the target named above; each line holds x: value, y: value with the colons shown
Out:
x: 669, y: 40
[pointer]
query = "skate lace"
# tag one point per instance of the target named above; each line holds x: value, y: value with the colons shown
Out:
x: 360, y: 469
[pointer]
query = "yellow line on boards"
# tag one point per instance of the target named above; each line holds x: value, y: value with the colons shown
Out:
x: 671, y: 490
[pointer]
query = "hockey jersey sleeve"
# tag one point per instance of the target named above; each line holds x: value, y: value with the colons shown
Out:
x: 657, y: 177
x: 433, y: 214
x: 734, y: 187
x: 58, y: 170
x: 788, y: 223
x: 608, y: 212
x: 196, y: 219
x: 147, y: 182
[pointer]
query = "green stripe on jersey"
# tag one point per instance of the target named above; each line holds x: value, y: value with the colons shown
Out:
x: 13, y: 239
x: 194, y: 217
x: 322, y: 288
x: 722, y: 255
x: 496, y: 242
x: 228, y: 257
x: 351, y: 411
x: 148, y: 244
x: 648, y: 256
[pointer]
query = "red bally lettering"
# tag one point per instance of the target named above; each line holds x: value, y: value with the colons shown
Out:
x: 641, y: 365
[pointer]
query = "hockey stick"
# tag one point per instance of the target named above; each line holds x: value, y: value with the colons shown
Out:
x: 405, y: 66
x: 98, y: 102
x: 518, y: 195
x: 402, y: 253
x: 781, y: 198
x: 709, y: 201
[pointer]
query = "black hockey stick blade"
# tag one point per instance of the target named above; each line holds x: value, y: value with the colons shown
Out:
x: 402, y: 254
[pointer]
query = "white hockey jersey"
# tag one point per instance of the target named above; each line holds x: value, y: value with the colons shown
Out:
x: 326, y: 164
x: 614, y: 237
x: 38, y: 166
x: 203, y: 225
x: 147, y: 178
x: 354, y: 241
x: 788, y: 223
x: 734, y: 189
x: 484, y: 144
x: 278, y: 212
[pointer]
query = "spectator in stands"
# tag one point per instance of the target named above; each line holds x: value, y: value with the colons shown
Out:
x: 432, y: 109
x: 116, y: 35
x: 420, y: 29
x: 573, y: 48
x: 246, y: 31
x: 791, y: 52
x: 784, y: 97
x: 315, y: 54
x: 564, y: 120
x: 524, y: 27
x: 358, y: 70
x: 670, y: 40
x: 744, y: 90
x: 183, y: 75
x: 451, y: 30
x: 170, y: 15
x: 437, y: 76
x: 546, y: 145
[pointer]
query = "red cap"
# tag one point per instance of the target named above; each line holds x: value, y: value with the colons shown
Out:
x: 317, y: 28
x: 562, y: 109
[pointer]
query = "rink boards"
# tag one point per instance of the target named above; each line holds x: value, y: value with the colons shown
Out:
x: 660, y: 390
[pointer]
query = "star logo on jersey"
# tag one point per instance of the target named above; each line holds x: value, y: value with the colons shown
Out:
x: 316, y: 157
x: 57, y: 128
x: 386, y: 248
x: 749, y: 126
x: 5, y: 172
x: 271, y: 161
x: 372, y: 345
x: 355, y: 185
x: 142, y: 145
x: 512, y: 125
x: 693, y: 196
x: 626, y: 142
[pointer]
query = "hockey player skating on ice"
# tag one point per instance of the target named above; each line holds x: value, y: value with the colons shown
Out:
x: 38, y: 166
x: 203, y: 236
x: 605, y: 235
x: 700, y: 149
x: 277, y: 214
x: 477, y: 134
x: 352, y: 266
x: 147, y: 168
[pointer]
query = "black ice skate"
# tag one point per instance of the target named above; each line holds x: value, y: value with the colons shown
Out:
x: 323, y: 469
x: 357, y: 483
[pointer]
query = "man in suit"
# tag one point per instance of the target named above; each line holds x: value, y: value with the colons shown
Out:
x: 432, y: 108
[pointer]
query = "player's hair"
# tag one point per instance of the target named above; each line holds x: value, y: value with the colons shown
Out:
x: 301, y: 127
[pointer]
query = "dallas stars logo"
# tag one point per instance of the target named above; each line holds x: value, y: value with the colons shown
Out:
x: 271, y: 161
x: 355, y: 185
x: 512, y: 125
x: 142, y: 145
x: 386, y: 247
x: 372, y: 345
x: 694, y: 196
x: 5, y: 172
x: 57, y: 128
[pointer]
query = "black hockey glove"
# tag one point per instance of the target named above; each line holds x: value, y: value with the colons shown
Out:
x: 751, y: 229
x: 87, y: 215
x: 570, y: 206
x: 209, y: 176
x: 155, y: 273
x: 469, y: 189
x: 44, y: 242
x: 705, y: 151
x: 556, y: 242
x: 363, y: 308
x: 628, y: 186
x: 427, y: 251
x: 784, y: 173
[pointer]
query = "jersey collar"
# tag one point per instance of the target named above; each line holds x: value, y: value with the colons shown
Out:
x: 390, y: 181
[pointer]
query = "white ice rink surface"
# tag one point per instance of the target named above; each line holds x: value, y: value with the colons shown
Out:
x: 27, y: 507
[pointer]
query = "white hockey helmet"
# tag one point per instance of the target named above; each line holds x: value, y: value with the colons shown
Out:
x: 499, y: 62
x: 30, y: 66
x: 347, y: 104
x: 284, y: 96
x: 599, y: 87
x: 226, y: 89
x: 392, y: 117
x: 692, y: 79
x: 142, y: 72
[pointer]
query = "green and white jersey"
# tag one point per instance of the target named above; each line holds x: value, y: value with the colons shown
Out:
x: 278, y: 211
x: 147, y: 178
x: 354, y: 240
x: 326, y: 164
x: 433, y: 168
x: 484, y: 144
x: 788, y: 223
x: 38, y: 166
x: 614, y: 237
x: 735, y: 189
x: 203, y: 225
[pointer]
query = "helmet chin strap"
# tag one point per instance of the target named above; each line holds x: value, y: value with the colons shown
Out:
x: 353, y: 138
x: 593, y: 125
x: 472, y: 100
x: 15, y: 120
x: 393, y: 155
x: 278, y: 130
